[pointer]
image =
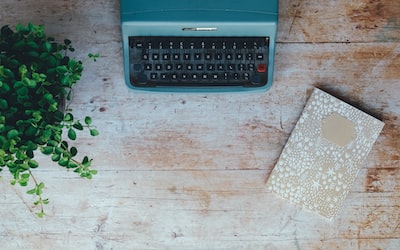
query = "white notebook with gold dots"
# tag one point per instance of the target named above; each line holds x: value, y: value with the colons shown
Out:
x: 324, y: 153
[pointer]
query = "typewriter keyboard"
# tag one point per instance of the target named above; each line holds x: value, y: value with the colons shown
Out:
x: 198, y: 61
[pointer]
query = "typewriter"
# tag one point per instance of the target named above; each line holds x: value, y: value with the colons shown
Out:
x: 206, y: 45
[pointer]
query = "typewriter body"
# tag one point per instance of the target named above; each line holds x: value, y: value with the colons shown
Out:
x: 183, y: 45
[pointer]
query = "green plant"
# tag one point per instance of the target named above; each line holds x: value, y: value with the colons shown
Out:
x: 36, y: 80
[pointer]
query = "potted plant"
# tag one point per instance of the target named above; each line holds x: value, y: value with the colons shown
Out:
x: 36, y: 80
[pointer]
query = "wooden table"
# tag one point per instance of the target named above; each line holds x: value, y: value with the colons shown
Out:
x: 187, y: 171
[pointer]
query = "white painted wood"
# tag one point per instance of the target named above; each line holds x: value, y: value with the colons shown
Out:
x: 187, y: 171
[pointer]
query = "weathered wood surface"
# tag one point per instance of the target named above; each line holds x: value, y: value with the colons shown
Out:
x: 187, y: 171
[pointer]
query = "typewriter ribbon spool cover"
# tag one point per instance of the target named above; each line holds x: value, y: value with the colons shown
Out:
x: 197, y: 19
x: 324, y: 153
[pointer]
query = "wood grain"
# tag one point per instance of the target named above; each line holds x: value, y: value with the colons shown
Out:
x: 187, y: 171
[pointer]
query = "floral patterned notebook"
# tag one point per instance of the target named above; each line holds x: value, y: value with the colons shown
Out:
x: 324, y: 153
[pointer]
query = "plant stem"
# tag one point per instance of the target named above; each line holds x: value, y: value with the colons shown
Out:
x: 40, y: 201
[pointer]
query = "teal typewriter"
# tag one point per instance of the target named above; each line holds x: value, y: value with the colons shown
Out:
x: 183, y: 45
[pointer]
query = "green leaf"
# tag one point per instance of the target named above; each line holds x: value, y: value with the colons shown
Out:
x: 67, y: 41
x: 77, y: 125
x: 47, y: 46
x: 24, y: 167
x: 3, y: 104
x: 62, y: 69
x: 30, y: 131
x: 55, y: 157
x: 23, y: 183
x: 53, y: 107
x: 19, y: 45
x: 94, y: 132
x: 64, y: 145
x: 71, y: 134
x: 39, y: 77
x: 25, y: 176
x: 52, y: 143
x: 86, y: 162
x: 32, y: 84
x: 65, y: 80
x: 33, y: 164
x: 59, y: 150
x: 33, y: 53
x: 88, y: 120
x: 47, y: 150
x: 12, y: 134
x: 86, y: 175
x: 73, y: 151
x: 68, y: 117
x: 63, y: 162
x: 22, y: 91
x: 72, y: 164
x: 29, y: 153
x: 32, y: 44
x: 5, y: 87
x: 31, y: 191
x: 48, y: 97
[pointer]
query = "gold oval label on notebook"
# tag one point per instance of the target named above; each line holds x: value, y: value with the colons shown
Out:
x: 338, y: 129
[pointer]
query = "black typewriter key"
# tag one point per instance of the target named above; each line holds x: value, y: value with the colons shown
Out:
x: 197, y: 56
x: 158, y: 66
x: 156, y: 56
x: 153, y: 76
x: 176, y: 56
x: 169, y: 67
x: 241, y: 67
x: 165, y: 76
x: 210, y: 67
x: 178, y: 66
x: 166, y: 56
x: 251, y: 67
x: 139, y: 44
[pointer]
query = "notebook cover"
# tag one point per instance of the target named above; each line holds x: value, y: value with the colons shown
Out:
x: 324, y: 153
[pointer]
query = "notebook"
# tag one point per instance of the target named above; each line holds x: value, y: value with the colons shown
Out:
x: 324, y: 154
x: 195, y: 45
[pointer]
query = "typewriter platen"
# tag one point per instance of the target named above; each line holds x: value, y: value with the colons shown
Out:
x: 206, y: 45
